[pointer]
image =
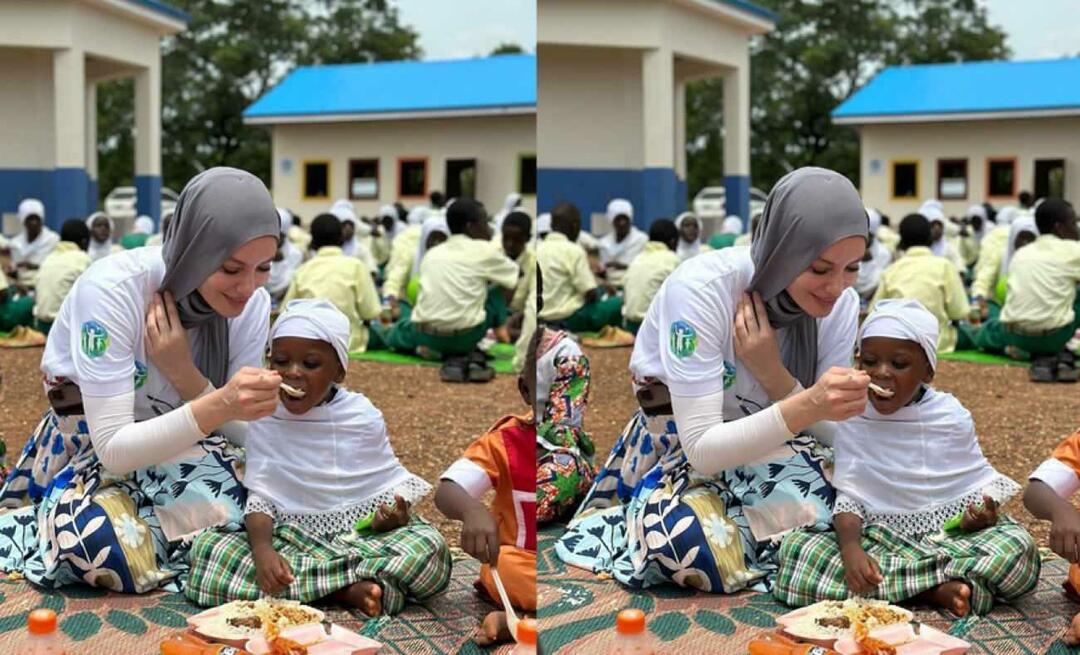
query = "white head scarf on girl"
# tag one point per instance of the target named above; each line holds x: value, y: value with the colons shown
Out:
x: 97, y: 250
x: 417, y: 215
x: 687, y: 249
x: 512, y: 201
x: 915, y: 468
x: 1006, y: 215
x: 34, y: 252
x: 1022, y: 224
x: 281, y: 271
x: 543, y: 224
x: 295, y: 461
x: 732, y: 225
x: 434, y: 224
x: 143, y: 225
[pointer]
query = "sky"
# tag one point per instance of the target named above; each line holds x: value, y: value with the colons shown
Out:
x: 456, y: 29
x: 1038, y: 29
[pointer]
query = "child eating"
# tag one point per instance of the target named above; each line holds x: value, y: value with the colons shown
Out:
x: 327, y: 513
x: 904, y: 468
x: 503, y: 538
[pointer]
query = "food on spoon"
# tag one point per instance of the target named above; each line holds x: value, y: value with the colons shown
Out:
x: 293, y: 392
x: 881, y: 391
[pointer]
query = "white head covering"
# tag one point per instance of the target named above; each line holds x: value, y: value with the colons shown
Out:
x: 904, y: 319
x: 344, y: 211
x: 1023, y: 224
x: 285, y: 218
x: 388, y: 211
x: 511, y: 202
x: 432, y: 224
x: 976, y: 210
x: 317, y: 319
x: 732, y: 225
x: 620, y: 207
x: 543, y: 223
x: 932, y: 213
x: 1006, y: 215
x: 931, y: 203
x: 418, y: 214
x: 363, y: 228
x: 98, y: 250
x: 875, y: 220
x: 686, y: 249
x: 143, y: 225
x: 31, y: 207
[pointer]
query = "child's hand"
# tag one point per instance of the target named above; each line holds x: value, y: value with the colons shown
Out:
x: 391, y: 517
x: 861, y: 572
x: 272, y: 572
x: 1065, y: 534
x: 480, y: 536
x: 977, y: 518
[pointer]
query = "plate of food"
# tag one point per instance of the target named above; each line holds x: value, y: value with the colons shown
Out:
x: 900, y: 639
x: 825, y: 622
x: 236, y: 622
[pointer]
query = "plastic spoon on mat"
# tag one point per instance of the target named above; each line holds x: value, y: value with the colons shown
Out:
x: 511, y: 618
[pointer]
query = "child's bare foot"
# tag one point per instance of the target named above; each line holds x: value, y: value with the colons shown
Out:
x: 365, y: 596
x: 493, y: 630
x: 954, y: 595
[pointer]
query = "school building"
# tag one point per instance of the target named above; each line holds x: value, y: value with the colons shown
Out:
x: 385, y: 132
x: 53, y: 53
x: 967, y: 133
x: 612, y: 93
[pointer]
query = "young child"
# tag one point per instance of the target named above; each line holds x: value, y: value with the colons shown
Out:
x: 648, y: 271
x: 328, y: 501
x: 503, y: 538
x: 59, y: 271
x: 904, y: 468
x: 1050, y: 486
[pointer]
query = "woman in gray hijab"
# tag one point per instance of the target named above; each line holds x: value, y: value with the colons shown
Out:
x: 741, y: 363
x: 154, y: 363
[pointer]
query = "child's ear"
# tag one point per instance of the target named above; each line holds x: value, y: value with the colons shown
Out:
x: 340, y: 377
x: 929, y: 377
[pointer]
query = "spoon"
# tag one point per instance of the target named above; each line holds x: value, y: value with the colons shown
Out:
x: 511, y: 618
x: 884, y: 393
x: 290, y: 391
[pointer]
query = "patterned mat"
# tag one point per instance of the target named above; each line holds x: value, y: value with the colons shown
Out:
x: 98, y: 621
x: 577, y: 614
x: 502, y: 352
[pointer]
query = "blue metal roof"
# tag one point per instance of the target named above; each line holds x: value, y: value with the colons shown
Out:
x: 164, y: 8
x: 502, y: 81
x: 978, y: 87
x: 751, y: 8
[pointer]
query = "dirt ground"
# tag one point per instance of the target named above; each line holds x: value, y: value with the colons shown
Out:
x: 430, y: 422
x: 1018, y: 422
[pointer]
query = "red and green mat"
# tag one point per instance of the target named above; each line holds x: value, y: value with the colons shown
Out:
x: 578, y: 609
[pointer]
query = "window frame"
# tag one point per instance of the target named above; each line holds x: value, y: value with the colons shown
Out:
x: 893, y: 163
x: 967, y: 177
x: 1016, y: 177
x: 378, y: 178
x: 446, y: 173
x: 400, y: 179
x: 329, y: 179
x: 520, y: 157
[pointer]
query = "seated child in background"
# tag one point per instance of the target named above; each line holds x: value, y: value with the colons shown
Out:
x: 503, y: 538
x: 564, y: 451
x: 904, y: 467
x: 315, y: 468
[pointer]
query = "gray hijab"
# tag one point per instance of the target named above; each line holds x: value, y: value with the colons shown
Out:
x: 807, y: 211
x: 218, y: 211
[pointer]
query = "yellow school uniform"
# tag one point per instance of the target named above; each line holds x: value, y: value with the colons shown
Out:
x: 933, y: 281
x: 743, y: 239
x: 58, y: 273
x: 344, y: 281
x: 402, y: 252
x: 528, y: 324
x: 1042, y: 285
x: 991, y: 252
x: 888, y: 238
x: 644, y: 277
x: 454, y: 281
x: 527, y: 264
x: 300, y: 238
x: 567, y: 276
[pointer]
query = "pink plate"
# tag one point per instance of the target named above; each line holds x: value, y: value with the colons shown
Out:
x: 929, y: 642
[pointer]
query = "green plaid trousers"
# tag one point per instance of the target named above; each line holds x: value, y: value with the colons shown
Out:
x: 412, y: 561
x: 1001, y: 561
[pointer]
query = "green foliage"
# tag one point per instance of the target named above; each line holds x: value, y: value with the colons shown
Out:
x: 229, y: 56
x: 819, y: 54
x: 507, y: 49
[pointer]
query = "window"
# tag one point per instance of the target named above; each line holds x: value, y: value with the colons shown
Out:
x: 905, y: 179
x: 461, y: 178
x: 363, y: 179
x: 952, y: 179
x: 1001, y: 177
x: 412, y: 178
x: 316, y: 179
x: 1049, y: 178
x: 527, y: 175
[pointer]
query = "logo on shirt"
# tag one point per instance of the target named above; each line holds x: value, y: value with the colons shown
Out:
x: 729, y: 374
x: 140, y: 374
x: 683, y: 339
x: 95, y: 339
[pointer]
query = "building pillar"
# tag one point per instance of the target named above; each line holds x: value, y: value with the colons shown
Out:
x: 737, y: 141
x: 680, y: 146
x: 658, y: 123
x: 69, y: 184
x: 148, y: 141
x: 91, y: 146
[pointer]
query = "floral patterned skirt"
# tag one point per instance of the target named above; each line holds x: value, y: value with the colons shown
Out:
x: 651, y: 519
x: 66, y: 520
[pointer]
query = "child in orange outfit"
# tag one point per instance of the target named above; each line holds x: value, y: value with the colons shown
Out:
x: 503, y: 538
x: 1050, y: 487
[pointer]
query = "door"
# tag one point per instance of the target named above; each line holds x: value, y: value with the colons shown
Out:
x: 1049, y: 178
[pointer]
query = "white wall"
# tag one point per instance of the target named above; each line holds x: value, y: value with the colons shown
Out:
x: 494, y: 141
x: 26, y: 108
x: 1025, y: 139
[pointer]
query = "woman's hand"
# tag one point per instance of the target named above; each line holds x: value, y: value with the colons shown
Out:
x: 391, y: 517
x: 861, y: 573
x: 756, y: 346
x: 251, y: 394
x: 840, y: 394
x: 979, y: 517
x: 272, y: 572
x: 167, y: 343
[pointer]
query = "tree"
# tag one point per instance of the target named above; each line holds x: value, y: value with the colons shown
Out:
x: 230, y: 55
x: 507, y: 49
x: 819, y: 55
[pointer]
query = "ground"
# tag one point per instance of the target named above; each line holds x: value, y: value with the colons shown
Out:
x: 430, y: 423
x: 1018, y: 422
